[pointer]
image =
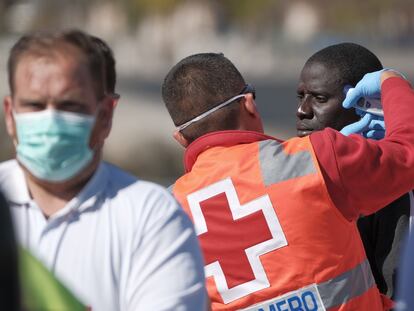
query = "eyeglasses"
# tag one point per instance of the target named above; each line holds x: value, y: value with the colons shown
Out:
x: 246, y: 90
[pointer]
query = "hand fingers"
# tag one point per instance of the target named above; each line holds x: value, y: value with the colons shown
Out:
x: 360, y: 112
x: 375, y: 134
x: 358, y: 127
x: 377, y: 125
x: 351, y: 98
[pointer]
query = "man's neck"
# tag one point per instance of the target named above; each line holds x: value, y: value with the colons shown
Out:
x: 52, y: 197
x: 50, y: 200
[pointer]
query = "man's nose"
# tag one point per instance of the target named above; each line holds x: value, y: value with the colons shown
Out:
x: 304, y: 109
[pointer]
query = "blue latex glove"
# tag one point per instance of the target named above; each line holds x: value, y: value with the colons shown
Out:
x: 376, y: 129
x: 370, y: 126
x: 375, y: 134
x: 359, y: 126
x: 369, y: 86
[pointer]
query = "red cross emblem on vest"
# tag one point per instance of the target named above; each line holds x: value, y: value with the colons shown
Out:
x: 233, y: 237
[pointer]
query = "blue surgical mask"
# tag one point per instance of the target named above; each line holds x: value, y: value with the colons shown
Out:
x: 54, y: 145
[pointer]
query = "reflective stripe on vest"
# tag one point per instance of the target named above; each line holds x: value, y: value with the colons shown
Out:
x: 332, y: 293
x: 346, y: 286
x: 273, y: 159
x: 322, y: 264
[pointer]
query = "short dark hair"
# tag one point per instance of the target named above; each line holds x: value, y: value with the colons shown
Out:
x: 198, y: 83
x: 351, y: 60
x: 44, y: 43
x: 110, y: 64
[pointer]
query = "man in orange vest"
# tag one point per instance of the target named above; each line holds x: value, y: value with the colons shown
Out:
x: 320, y: 94
x: 276, y: 220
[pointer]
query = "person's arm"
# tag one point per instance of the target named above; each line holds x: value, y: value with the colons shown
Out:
x: 166, y: 270
x: 405, y: 297
x: 364, y: 175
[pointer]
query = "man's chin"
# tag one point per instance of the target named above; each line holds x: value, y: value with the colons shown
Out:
x: 77, y: 180
x: 303, y: 133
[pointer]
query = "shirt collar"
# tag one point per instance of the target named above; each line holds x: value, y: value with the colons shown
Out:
x: 222, y: 139
x: 90, y: 193
x: 17, y: 193
x: 14, y: 185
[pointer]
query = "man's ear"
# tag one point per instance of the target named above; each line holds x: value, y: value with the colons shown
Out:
x: 178, y: 136
x: 250, y: 105
x: 115, y: 100
x: 103, y: 123
x: 8, y: 116
x: 250, y: 118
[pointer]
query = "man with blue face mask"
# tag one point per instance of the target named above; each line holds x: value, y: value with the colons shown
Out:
x: 118, y: 243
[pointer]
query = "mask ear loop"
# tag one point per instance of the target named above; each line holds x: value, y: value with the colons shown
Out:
x: 246, y: 90
x: 96, y: 146
x: 14, y: 139
x: 208, y: 112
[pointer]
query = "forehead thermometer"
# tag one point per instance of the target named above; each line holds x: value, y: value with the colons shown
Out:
x: 371, y: 105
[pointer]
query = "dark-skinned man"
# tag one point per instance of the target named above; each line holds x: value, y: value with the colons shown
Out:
x: 321, y: 92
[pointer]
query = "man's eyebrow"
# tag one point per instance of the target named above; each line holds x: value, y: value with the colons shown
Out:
x: 75, y: 97
x: 69, y: 100
x: 320, y: 90
x: 319, y: 93
x: 26, y: 101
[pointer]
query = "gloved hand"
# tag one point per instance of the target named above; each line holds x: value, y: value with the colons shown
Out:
x: 374, y: 134
x: 376, y: 129
x: 368, y: 86
x: 359, y: 126
x: 370, y: 126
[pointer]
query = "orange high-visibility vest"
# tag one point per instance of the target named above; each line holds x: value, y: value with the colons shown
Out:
x: 271, y: 237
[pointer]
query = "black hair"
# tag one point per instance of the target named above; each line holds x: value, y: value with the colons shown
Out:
x: 110, y: 64
x: 352, y: 61
x: 198, y: 83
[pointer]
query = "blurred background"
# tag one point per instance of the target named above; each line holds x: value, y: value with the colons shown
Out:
x: 268, y: 40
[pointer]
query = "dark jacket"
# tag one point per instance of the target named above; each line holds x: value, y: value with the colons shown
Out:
x: 383, y: 235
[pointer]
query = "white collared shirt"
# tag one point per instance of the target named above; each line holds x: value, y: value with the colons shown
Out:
x: 120, y: 244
